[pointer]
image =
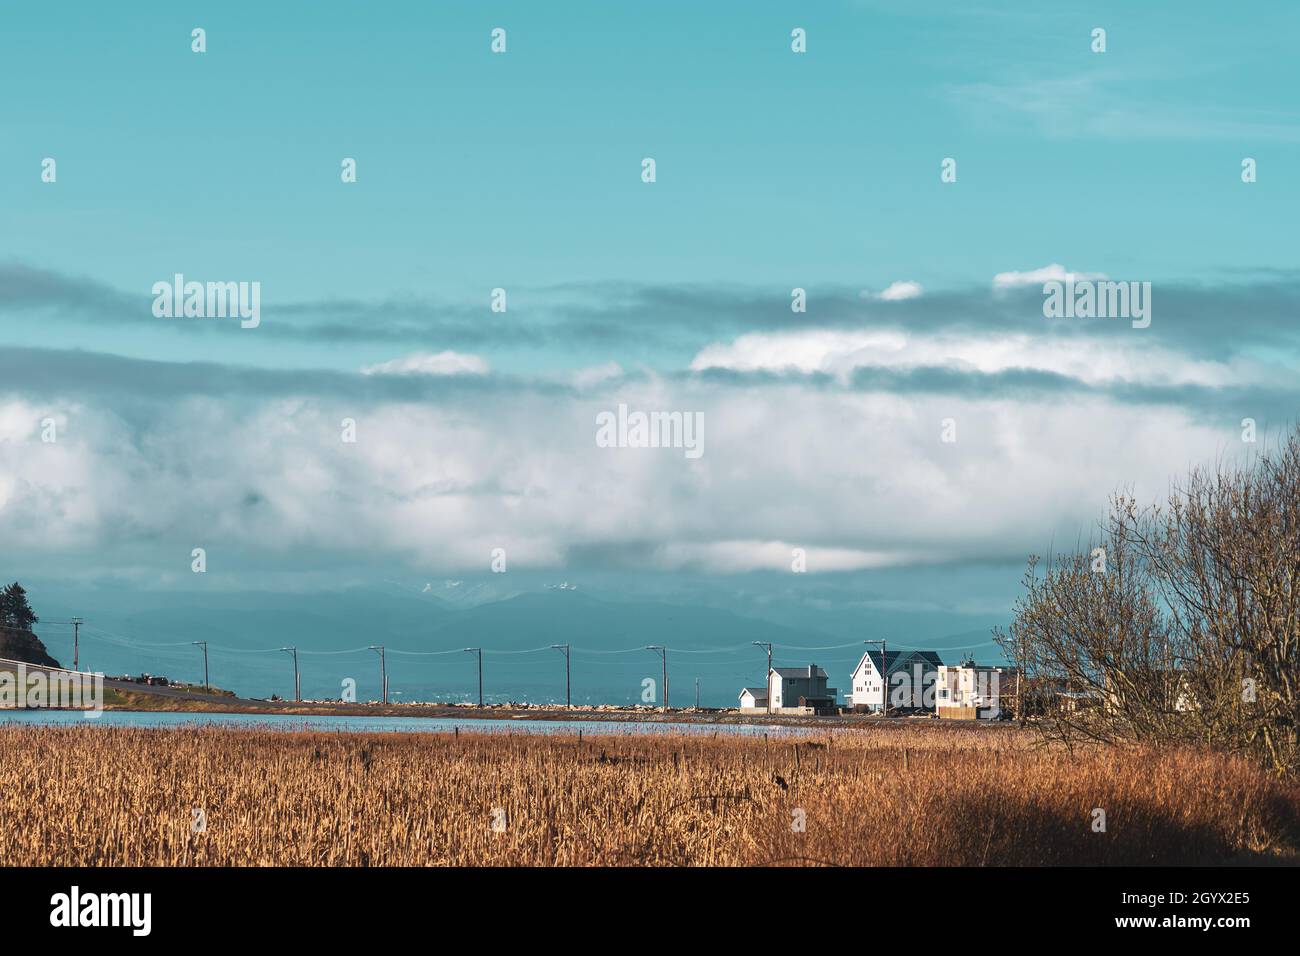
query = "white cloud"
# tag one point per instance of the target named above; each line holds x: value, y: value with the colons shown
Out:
x: 900, y: 291
x: 430, y: 363
x: 595, y: 374
x: 1050, y: 273
x: 1092, y: 360
x: 858, y: 480
x: 728, y: 557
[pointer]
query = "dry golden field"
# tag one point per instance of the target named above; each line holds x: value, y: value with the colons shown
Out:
x: 108, y: 796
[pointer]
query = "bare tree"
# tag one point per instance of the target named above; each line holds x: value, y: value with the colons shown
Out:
x: 1182, y: 622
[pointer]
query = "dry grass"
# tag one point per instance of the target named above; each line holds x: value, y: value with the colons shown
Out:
x: 106, y: 796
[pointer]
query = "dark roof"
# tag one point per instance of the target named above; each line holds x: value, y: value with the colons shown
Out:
x: 902, y: 660
x: 930, y: 657
x: 799, y: 671
x: 756, y: 691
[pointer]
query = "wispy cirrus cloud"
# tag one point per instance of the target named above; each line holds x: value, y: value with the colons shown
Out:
x: 1102, y: 104
x: 430, y: 363
x: 1055, y: 272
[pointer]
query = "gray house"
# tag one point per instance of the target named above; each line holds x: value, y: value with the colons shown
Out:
x: 800, y: 690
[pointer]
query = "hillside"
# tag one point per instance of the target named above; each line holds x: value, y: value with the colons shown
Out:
x: 19, y: 645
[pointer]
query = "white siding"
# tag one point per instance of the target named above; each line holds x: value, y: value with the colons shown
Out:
x: 867, y: 689
x: 747, y: 699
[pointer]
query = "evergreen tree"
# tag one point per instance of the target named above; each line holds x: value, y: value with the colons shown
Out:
x: 14, y: 609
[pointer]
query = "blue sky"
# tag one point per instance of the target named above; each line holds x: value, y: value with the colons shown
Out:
x: 522, y: 171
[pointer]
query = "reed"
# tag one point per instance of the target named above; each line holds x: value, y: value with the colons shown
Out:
x: 113, y: 796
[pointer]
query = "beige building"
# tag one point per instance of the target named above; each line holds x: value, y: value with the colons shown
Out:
x: 969, y: 691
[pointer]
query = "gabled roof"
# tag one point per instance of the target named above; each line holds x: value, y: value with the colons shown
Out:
x: 798, y: 671
x: 754, y: 691
x: 875, y: 660
x: 899, y: 660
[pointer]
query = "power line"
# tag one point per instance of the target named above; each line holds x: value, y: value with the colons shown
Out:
x: 735, y: 649
x: 109, y: 637
x: 413, y: 653
x: 171, y: 650
x: 825, y: 647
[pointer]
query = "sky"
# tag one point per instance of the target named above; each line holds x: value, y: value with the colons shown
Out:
x: 523, y: 171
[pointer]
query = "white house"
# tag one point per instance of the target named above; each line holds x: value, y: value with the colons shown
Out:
x: 912, y: 674
x: 753, y: 700
x: 970, y: 691
x: 791, y: 690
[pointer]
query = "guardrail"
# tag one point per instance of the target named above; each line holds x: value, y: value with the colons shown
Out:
x: 44, y: 667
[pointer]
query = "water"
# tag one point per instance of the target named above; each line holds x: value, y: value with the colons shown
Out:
x: 589, y: 727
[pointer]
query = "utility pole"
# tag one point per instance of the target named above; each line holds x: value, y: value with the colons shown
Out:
x: 568, y: 697
x: 204, y: 645
x: 662, y: 652
x: 479, y: 651
x: 383, y: 670
x: 697, y: 693
x: 1020, y: 684
x: 884, y: 677
x: 76, y: 640
x: 767, y: 678
x: 297, y: 684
